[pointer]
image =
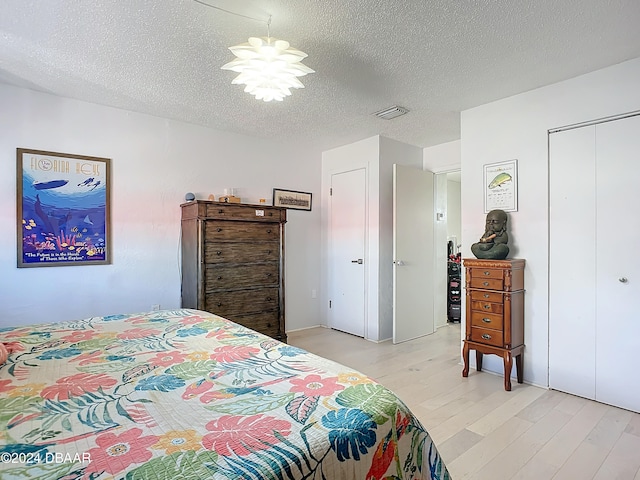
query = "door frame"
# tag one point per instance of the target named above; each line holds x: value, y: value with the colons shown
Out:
x: 366, y: 258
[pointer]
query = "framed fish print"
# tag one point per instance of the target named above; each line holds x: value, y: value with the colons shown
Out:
x: 63, y: 209
x: 501, y: 186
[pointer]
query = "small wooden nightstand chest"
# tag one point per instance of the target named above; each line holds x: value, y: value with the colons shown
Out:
x: 495, y: 313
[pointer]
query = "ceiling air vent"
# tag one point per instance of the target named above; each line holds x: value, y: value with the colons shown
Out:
x: 391, y: 112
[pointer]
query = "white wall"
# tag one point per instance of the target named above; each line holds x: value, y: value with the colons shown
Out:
x: 454, y: 208
x: 516, y: 127
x: 154, y: 162
x: 442, y: 158
x: 363, y: 154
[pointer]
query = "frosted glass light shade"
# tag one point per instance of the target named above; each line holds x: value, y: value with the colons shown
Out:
x: 268, y: 67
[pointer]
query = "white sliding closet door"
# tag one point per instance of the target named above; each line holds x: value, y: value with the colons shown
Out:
x: 618, y: 263
x: 594, y: 265
x: 572, y: 267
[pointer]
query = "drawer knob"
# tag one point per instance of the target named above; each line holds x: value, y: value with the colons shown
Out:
x: 268, y: 299
x: 219, y: 277
x: 218, y: 229
x: 271, y: 214
x: 220, y: 211
x: 486, y: 306
x: 486, y: 272
x: 218, y: 252
x: 486, y: 284
x: 486, y: 336
x: 268, y: 252
x: 268, y: 325
x: 268, y: 274
x: 486, y: 320
x: 219, y: 304
x: 269, y: 231
x: 486, y: 295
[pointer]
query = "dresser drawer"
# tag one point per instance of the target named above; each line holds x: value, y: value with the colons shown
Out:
x: 258, y: 213
x: 487, y: 283
x: 486, y: 307
x: 219, y: 252
x: 241, y: 231
x: 229, y: 303
x: 494, y: 297
x: 240, y: 276
x: 487, y: 336
x: 267, y: 323
x: 487, y: 320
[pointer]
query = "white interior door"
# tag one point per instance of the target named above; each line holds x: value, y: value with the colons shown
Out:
x: 413, y: 253
x: 618, y: 263
x: 347, y: 252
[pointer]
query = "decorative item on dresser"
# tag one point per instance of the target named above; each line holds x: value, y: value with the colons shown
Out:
x: 495, y: 313
x: 233, y: 263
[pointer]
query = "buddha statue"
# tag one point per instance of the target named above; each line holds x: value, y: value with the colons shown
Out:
x: 493, y: 244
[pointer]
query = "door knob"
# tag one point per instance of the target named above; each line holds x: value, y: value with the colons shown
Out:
x: 399, y: 263
x: 623, y: 280
x: 358, y: 261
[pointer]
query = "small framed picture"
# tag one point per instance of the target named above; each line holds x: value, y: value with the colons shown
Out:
x: 501, y: 186
x: 63, y: 209
x: 291, y: 199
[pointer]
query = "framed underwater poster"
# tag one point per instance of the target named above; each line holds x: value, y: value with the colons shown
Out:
x: 63, y: 209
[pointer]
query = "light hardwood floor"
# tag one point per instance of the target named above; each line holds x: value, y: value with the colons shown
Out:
x: 481, y: 431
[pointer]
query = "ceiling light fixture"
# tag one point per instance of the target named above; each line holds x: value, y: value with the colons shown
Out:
x: 268, y: 67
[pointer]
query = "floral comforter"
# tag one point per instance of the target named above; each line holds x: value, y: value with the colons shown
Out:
x: 189, y: 395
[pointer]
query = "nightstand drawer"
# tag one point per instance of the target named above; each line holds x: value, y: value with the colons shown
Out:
x: 487, y: 336
x: 487, y: 320
x: 487, y: 273
x: 487, y: 283
x: 494, y: 297
x: 486, y: 307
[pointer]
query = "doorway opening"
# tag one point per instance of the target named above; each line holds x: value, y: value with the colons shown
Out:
x: 448, y: 244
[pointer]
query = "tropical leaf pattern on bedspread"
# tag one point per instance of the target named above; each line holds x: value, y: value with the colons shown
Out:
x: 187, y: 394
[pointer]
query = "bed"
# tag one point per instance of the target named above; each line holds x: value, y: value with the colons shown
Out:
x: 185, y: 394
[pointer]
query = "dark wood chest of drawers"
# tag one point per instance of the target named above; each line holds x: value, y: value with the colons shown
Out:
x: 233, y: 263
x: 495, y: 313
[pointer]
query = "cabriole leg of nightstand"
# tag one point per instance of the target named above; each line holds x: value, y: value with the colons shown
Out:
x: 519, y: 367
x: 508, y: 364
x: 465, y: 357
x: 478, y: 360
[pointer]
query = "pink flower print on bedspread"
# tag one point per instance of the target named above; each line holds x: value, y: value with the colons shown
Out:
x: 230, y: 354
x: 244, y: 435
x: 114, y: 453
x: 166, y: 359
x: 76, y: 385
x: 134, y: 333
x: 315, y: 386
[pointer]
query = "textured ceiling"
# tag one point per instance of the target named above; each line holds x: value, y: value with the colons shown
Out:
x: 434, y: 57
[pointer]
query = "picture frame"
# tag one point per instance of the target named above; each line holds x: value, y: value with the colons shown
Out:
x: 63, y: 209
x: 292, y: 199
x: 501, y: 186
